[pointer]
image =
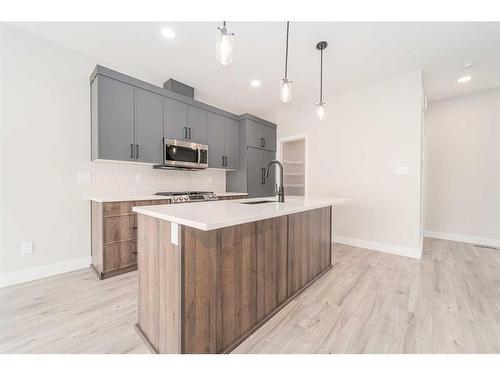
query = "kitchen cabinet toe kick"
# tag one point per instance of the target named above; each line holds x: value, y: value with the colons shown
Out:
x: 208, y: 291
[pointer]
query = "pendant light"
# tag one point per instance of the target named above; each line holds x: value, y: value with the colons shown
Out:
x: 286, y: 85
x: 321, y: 105
x: 224, y: 45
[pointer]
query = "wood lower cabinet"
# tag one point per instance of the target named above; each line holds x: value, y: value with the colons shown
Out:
x: 211, y: 289
x: 114, y: 236
x: 309, y: 247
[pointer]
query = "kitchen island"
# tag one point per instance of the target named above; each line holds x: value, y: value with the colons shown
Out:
x: 211, y: 273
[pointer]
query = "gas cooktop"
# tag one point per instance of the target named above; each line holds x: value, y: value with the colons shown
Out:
x: 189, y: 196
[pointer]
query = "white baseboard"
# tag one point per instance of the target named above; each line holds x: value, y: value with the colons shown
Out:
x: 379, y: 246
x: 495, y: 242
x: 18, y: 277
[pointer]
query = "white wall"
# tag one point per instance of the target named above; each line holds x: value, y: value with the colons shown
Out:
x: 44, y: 143
x: 353, y: 152
x: 462, y: 168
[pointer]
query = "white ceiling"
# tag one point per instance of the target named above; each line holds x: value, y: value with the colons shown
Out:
x: 358, y: 53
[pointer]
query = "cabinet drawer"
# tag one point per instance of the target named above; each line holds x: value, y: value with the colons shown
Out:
x: 120, y: 255
x: 151, y: 202
x: 117, y: 208
x: 120, y: 228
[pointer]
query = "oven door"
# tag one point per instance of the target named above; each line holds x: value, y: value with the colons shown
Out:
x: 184, y: 154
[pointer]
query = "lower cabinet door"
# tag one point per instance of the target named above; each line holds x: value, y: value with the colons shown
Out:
x: 120, y: 255
x: 255, y: 170
x: 120, y: 228
x: 269, y: 187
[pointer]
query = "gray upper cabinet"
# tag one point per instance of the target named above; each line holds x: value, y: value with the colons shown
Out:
x: 231, y: 143
x: 114, y: 125
x: 269, y: 136
x: 216, y: 140
x: 197, y: 124
x: 222, y: 142
x: 130, y: 118
x: 174, y: 119
x: 148, y: 126
x: 261, y: 136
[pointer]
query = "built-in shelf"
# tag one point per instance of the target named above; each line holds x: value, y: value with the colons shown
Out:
x: 294, y: 185
x: 297, y: 162
x: 294, y: 174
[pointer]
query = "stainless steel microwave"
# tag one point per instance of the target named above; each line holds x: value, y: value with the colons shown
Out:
x: 182, y: 154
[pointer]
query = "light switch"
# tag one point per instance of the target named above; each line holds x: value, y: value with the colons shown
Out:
x: 28, y: 247
x: 401, y: 171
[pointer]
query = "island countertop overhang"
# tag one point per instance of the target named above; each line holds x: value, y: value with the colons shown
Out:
x: 208, y: 216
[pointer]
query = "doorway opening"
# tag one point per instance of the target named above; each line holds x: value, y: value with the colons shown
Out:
x: 293, y: 152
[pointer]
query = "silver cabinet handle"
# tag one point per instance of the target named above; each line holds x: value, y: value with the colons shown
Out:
x: 189, y: 129
x: 185, y: 132
x: 131, y: 151
x: 137, y: 151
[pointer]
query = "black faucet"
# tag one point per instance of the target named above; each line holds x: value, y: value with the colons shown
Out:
x: 280, y: 190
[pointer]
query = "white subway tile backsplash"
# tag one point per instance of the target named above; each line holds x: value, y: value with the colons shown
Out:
x: 112, y: 178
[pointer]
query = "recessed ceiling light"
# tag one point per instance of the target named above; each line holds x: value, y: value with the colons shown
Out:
x: 464, y: 79
x: 255, y: 83
x: 168, y: 33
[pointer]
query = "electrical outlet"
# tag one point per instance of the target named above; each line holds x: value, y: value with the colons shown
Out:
x: 28, y: 247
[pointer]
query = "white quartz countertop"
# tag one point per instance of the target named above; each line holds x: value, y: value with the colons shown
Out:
x: 219, y: 214
x: 128, y: 198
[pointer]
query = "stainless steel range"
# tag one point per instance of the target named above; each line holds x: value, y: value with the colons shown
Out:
x: 189, y: 196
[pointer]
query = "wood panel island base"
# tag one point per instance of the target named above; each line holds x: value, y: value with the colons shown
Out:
x: 205, y: 291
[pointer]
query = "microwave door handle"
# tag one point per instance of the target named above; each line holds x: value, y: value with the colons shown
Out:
x: 199, y: 156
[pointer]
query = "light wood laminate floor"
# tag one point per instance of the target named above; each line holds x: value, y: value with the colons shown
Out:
x: 371, y: 302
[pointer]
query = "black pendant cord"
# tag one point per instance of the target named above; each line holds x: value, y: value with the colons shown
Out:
x: 286, y: 49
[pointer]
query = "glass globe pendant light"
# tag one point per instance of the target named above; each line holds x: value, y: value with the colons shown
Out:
x: 224, y: 45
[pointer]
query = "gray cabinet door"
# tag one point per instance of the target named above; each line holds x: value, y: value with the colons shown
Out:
x: 269, y: 135
x: 254, y: 172
x: 148, y: 126
x: 216, y: 130
x: 254, y: 134
x: 197, y: 124
x: 174, y: 119
x: 115, y: 119
x: 231, y: 143
x: 269, y: 187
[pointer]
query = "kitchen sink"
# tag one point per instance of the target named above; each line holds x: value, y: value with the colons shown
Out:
x: 258, y: 202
